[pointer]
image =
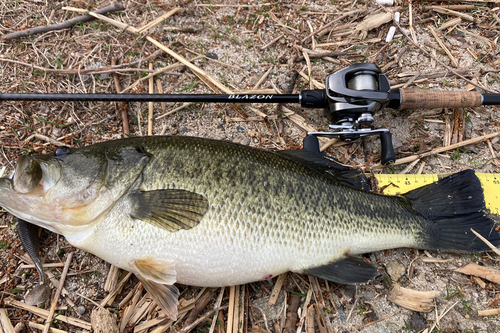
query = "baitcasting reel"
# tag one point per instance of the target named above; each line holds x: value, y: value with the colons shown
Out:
x: 352, y: 95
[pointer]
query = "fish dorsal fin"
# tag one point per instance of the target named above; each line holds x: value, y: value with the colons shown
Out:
x: 158, y: 277
x: 346, y: 270
x: 329, y: 167
x: 172, y: 210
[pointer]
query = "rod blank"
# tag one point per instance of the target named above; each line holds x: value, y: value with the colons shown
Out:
x: 189, y: 98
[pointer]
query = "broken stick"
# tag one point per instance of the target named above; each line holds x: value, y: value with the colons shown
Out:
x: 64, y: 25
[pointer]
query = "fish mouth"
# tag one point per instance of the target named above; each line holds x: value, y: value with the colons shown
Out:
x: 27, y: 175
x: 33, y: 173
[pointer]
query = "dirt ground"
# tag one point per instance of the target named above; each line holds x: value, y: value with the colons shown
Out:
x: 245, y: 45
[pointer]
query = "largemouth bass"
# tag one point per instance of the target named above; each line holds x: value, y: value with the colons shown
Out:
x: 210, y: 213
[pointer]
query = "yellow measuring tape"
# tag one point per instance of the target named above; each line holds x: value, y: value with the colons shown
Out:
x: 397, y: 184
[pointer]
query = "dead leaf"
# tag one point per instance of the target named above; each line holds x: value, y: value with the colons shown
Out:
x: 103, y: 321
x: 421, y: 301
x: 484, y: 272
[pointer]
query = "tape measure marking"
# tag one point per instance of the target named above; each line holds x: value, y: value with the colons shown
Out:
x: 398, y: 184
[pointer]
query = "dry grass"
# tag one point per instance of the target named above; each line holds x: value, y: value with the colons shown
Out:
x: 257, y: 45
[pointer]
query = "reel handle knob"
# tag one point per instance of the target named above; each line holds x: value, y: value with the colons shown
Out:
x: 388, y: 156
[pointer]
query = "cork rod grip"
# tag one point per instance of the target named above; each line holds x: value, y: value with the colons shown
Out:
x: 431, y: 99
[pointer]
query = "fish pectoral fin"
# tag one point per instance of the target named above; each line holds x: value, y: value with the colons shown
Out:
x: 172, y: 210
x: 157, y: 271
x: 166, y: 296
x: 346, y: 270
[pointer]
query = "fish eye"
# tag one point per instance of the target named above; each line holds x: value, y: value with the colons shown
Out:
x: 62, y: 151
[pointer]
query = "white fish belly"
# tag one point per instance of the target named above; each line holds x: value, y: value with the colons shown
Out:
x: 228, y: 249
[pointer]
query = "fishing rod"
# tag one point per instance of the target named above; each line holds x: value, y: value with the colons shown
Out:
x: 351, y: 96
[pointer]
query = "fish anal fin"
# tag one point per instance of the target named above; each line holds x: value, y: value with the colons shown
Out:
x: 346, y: 270
x: 170, y: 209
x: 167, y: 296
x: 157, y: 271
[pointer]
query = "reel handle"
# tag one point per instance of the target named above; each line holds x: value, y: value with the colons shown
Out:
x: 387, y: 154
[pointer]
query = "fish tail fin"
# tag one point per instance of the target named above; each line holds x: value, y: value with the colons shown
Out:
x: 452, y: 207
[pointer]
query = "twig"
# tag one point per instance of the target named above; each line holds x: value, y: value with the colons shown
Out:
x: 263, y: 78
x: 217, y: 305
x: 341, y: 17
x: 442, y: 315
x: 304, y: 310
x: 445, y: 49
x: 64, y: 25
x: 276, y: 289
x: 58, y: 293
x: 160, y: 91
x: 310, y: 319
x: 487, y: 242
x: 441, y: 149
x: 409, y: 167
x: 118, y: 287
x: 489, y: 312
x: 410, y: 23
x: 291, y: 316
x: 264, y: 317
x: 185, y: 105
x: 49, y: 140
x: 236, y: 311
x: 158, y: 20
x: 98, y: 71
x: 91, y: 301
x: 188, y: 328
x: 159, y: 71
x: 116, y: 23
x: 6, y: 324
x: 188, y: 64
x: 213, y: 60
x: 40, y: 327
x: 450, y: 12
x: 44, y: 313
x: 200, y: 305
x: 123, y: 106
x: 230, y: 312
x: 151, y: 104
x: 309, y: 70
x: 130, y: 309
x: 272, y: 42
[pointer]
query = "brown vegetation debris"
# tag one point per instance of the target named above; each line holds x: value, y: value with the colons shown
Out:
x: 421, y: 301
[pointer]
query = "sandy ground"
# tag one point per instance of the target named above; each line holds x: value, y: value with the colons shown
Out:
x: 241, y: 45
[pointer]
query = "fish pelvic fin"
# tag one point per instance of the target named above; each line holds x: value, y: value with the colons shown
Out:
x: 346, y: 270
x: 451, y: 207
x: 158, y: 271
x: 170, y: 209
x: 158, y: 277
x: 167, y: 296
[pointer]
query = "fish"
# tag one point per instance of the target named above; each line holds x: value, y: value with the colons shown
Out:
x: 210, y: 213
